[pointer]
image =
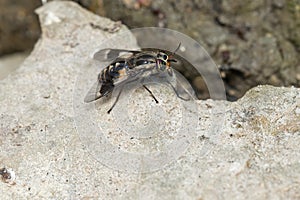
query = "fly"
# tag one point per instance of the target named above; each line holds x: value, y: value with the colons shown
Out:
x: 129, y: 66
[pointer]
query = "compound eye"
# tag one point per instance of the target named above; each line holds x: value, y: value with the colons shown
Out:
x: 165, y: 57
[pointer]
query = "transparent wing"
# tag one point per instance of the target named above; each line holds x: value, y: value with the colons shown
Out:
x: 182, y: 87
x: 94, y: 93
x: 99, y: 90
x: 112, y: 54
x: 178, y: 83
x: 137, y: 74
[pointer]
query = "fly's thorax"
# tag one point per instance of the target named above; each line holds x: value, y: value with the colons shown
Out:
x: 144, y: 59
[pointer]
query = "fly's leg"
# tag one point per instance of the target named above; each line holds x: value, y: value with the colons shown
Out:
x: 150, y: 93
x: 117, y: 99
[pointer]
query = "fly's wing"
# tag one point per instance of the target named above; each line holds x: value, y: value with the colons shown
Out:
x: 182, y: 87
x: 111, y: 54
x: 97, y: 91
x: 133, y: 76
x: 94, y: 93
x: 100, y: 89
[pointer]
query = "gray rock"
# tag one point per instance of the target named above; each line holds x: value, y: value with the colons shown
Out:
x: 243, y: 150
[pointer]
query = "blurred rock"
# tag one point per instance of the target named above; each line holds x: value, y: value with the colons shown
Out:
x: 19, y: 29
x: 248, y: 149
x: 261, y: 36
x: 10, y: 63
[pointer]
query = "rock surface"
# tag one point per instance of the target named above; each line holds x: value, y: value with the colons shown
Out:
x: 253, y: 153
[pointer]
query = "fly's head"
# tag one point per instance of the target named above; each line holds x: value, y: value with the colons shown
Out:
x: 163, y: 62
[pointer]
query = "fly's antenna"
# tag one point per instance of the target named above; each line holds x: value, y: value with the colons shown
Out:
x: 170, y: 57
x: 176, y: 49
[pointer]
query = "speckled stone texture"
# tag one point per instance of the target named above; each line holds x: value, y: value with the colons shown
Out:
x: 243, y: 150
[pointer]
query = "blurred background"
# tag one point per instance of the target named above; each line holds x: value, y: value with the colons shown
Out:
x: 252, y: 41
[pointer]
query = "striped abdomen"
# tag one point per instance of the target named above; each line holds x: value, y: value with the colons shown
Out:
x: 113, y: 71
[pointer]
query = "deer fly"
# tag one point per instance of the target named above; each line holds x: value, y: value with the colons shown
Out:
x: 128, y: 66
